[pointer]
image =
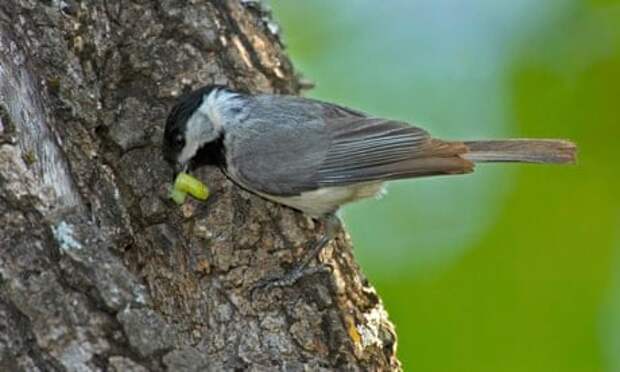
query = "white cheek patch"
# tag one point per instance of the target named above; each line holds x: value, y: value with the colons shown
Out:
x: 209, y: 109
x: 189, y: 150
x: 206, y: 123
x: 198, y: 132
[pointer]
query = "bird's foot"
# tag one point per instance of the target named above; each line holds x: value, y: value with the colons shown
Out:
x: 331, y: 227
x: 291, y: 277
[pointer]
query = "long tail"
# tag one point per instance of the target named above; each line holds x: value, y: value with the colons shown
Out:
x: 521, y: 150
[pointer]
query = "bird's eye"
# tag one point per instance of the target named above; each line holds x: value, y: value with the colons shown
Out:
x: 179, y: 141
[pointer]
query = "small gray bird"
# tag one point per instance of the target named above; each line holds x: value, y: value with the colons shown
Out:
x: 315, y: 156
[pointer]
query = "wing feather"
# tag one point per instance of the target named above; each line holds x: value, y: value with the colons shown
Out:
x: 366, y: 149
x: 324, y: 145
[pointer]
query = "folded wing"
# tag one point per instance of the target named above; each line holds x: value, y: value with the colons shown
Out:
x: 323, y: 145
x: 370, y: 149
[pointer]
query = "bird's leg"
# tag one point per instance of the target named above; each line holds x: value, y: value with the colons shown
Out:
x: 332, y: 224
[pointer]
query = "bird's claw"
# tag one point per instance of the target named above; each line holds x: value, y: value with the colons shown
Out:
x: 290, y: 278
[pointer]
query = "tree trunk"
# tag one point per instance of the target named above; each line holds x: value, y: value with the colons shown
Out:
x: 98, y: 270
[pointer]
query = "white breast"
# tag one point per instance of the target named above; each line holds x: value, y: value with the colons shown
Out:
x: 326, y: 200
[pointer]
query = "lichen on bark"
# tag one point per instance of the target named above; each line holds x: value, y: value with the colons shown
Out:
x: 98, y: 270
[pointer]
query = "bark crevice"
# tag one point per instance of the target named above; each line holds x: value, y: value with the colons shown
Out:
x: 98, y: 270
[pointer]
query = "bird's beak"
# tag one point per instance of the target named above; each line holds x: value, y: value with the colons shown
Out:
x: 178, y: 168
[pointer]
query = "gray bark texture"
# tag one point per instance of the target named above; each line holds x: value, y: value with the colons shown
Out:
x: 98, y: 270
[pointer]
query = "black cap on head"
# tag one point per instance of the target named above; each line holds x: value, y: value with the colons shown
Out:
x: 174, y: 138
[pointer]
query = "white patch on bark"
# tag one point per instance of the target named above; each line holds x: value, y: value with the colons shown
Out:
x: 47, y: 176
x: 369, y: 330
x: 64, y: 235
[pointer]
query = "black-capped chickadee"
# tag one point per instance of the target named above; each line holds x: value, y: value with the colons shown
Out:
x: 316, y: 156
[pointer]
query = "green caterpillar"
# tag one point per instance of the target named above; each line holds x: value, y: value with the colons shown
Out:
x: 185, y: 184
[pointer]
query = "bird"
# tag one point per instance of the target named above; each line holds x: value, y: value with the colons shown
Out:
x: 315, y: 156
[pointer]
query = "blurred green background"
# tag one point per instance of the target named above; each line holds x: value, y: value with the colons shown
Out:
x: 517, y: 267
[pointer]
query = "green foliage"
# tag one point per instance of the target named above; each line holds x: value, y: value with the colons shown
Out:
x: 514, y: 268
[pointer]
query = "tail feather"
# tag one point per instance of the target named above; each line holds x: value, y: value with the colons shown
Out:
x: 521, y: 150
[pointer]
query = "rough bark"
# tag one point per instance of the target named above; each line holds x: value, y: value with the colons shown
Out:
x: 98, y: 270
